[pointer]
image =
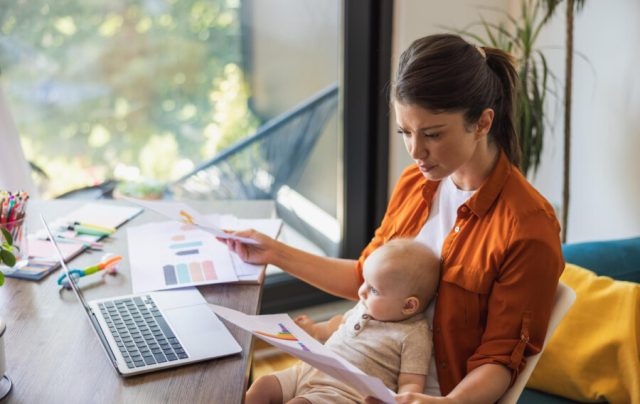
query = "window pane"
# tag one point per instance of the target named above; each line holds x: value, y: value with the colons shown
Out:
x: 124, y: 89
x: 152, y: 89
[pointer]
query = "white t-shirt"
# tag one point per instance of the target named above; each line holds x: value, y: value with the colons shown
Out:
x: 442, y: 217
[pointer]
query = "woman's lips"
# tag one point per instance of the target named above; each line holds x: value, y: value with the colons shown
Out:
x: 426, y: 168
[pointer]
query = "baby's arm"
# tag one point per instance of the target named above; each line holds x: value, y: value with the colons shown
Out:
x: 320, y: 331
x: 411, y: 383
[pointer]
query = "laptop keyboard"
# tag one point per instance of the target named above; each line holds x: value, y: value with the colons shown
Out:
x: 141, y: 332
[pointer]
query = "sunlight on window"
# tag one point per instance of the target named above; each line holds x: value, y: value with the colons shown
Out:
x: 126, y: 89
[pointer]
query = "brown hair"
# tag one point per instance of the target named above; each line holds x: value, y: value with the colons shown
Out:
x: 446, y: 73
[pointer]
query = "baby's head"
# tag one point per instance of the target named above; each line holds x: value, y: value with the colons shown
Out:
x: 400, y: 278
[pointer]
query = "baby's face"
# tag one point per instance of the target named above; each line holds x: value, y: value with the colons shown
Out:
x: 383, y: 300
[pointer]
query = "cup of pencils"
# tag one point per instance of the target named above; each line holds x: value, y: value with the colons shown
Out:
x: 13, y: 237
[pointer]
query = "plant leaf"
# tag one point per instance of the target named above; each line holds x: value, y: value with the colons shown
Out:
x: 7, y: 236
x: 1, y: 278
x: 7, y: 258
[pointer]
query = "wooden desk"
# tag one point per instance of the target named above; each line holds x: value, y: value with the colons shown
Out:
x: 53, y: 354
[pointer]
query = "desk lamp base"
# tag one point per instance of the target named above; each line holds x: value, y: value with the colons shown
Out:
x: 5, y: 386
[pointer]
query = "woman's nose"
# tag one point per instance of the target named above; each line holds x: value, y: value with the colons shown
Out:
x: 416, y: 151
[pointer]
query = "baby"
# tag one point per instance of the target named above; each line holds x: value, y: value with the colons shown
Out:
x: 385, y: 335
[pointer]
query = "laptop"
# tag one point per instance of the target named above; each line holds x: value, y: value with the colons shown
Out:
x: 146, y: 332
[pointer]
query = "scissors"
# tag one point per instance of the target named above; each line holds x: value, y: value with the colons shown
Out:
x: 108, y: 264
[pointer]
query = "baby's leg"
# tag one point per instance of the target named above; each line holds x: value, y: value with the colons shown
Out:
x: 265, y: 390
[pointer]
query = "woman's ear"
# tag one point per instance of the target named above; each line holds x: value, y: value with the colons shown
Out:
x: 410, y: 305
x: 483, y: 126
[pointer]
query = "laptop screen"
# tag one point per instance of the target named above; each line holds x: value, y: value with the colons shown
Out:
x: 71, y: 279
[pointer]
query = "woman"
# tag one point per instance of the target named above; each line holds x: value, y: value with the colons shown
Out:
x: 465, y: 198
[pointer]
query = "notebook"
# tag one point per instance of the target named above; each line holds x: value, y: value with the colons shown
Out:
x: 42, y: 258
x: 141, y: 333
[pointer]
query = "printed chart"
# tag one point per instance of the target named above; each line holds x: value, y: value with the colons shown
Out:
x: 170, y: 255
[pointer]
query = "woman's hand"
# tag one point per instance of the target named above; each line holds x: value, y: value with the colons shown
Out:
x: 412, y: 398
x: 417, y: 398
x: 261, y: 253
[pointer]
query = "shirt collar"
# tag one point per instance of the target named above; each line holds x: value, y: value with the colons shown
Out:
x: 488, y: 192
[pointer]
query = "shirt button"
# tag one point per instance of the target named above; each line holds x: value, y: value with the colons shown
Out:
x: 443, y: 365
x: 464, y: 209
x: 457, y: 229
x: 356, y: 327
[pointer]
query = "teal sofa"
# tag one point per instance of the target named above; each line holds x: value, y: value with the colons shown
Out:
x: 618, y: 259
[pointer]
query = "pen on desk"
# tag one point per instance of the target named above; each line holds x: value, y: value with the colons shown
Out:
x: 90, y: 244
x: 96, y: 227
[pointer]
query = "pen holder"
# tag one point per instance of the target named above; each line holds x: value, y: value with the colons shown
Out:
x: 19, y: 248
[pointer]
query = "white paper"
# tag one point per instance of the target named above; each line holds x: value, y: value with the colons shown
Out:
x: 168, y: 255
x: 282, y: 332
x: 270, y: 227
x: 101, y: 214
x: 185, y: 214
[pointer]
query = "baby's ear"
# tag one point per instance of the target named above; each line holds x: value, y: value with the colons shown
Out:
x: 411, y: 305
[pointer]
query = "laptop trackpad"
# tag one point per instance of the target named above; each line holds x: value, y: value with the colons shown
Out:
x: 200, y: 331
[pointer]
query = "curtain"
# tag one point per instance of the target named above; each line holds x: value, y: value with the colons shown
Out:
x: 15, y: 173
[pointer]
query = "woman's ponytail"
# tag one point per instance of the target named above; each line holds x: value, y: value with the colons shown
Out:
x: 505, y: 134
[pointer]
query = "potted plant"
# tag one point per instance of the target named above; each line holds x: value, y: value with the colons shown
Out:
x: 6, y: 251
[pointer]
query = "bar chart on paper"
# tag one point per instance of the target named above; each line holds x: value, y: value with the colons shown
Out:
x: 170, y: 255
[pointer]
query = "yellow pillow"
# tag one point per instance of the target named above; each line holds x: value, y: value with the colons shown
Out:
x: 594, y: 352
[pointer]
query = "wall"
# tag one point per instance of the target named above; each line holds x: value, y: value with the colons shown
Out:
x: 605, y: 169
x: 605, y: 190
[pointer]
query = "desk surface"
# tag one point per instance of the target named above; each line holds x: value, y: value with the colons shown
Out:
x: 53, y: 354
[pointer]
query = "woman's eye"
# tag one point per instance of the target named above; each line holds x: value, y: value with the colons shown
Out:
x: 374, y: 291
x: 433, y: 135
x: 401, y: 132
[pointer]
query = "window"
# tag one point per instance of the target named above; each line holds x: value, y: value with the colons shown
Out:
x: 160, y: 90
x: 124, y: 89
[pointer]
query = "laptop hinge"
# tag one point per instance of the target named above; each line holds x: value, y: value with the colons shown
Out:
x: 103, y: 340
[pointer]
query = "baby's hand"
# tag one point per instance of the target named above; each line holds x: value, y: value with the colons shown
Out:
x: 307, y: 324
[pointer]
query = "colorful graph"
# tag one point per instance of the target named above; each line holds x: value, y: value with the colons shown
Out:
x: 285, y: 334
x: 189, y: 272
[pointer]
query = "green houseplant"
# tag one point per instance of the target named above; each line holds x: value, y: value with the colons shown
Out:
x: 518, y: 36
x: 6, y: 251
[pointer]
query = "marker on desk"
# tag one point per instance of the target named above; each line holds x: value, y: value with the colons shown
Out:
x: 92, y: 231
x: 96, y: 227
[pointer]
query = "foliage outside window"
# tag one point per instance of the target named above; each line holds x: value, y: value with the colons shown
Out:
x: 123, y: 89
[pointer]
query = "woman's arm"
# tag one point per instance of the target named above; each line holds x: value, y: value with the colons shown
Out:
x: 333, y: 275
x: 485, y: 384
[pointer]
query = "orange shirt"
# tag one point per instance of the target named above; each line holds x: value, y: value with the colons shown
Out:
x: 500, y: 268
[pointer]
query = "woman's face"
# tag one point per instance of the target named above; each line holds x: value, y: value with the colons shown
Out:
x: 440, y: 144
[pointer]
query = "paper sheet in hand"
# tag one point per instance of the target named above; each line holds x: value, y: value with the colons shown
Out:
x: 282, y: 332
x: 271, y: 227
x: 185, y: 214
x: 168, y: 255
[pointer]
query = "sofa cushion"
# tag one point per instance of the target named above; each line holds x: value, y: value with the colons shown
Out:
x: 619, y: 259
x: 594, y: 353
